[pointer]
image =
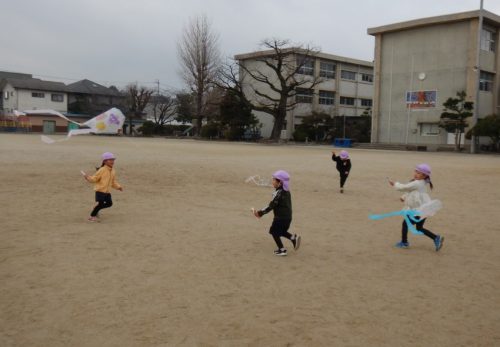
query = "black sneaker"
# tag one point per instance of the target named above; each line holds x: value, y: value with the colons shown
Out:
x: 280, y: 252
x: 296, y: 241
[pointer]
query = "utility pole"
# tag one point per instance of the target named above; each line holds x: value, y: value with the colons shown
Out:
x: 478, y: 78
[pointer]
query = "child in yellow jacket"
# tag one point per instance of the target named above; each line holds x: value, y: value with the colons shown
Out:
x: 104, y: 179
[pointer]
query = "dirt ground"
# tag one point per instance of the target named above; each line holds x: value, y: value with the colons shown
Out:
x: 180, y: 261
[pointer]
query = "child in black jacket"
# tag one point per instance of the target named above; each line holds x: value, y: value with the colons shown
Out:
x: 281, y: 205
x: 343, y: 166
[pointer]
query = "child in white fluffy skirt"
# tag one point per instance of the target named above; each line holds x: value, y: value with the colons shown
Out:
x: 415, y: 196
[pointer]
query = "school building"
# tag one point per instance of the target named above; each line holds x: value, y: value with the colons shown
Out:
x: 346, y: 88
x: 421, y: 63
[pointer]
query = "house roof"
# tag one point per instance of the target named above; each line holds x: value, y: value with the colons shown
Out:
x: 33, y: 84
x: 489, y: 18
x: 88, y: 87
x: 7, y: 74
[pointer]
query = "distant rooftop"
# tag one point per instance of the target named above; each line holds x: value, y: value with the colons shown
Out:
x: 489, y: 18
x: 88, y: 87
x: 7, y: 74
x: 266, y: 53
x: 33, y: 83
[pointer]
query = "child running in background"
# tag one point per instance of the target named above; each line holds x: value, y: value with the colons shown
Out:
x: 281, y: 205
x: 343, y: 166
x: 104, y: 179
x: 415, y: 196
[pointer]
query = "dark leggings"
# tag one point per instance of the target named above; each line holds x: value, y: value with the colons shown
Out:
x: 343, y: 178
x: 279, y: 229
x: 103, y: 201
x: 419, y: 226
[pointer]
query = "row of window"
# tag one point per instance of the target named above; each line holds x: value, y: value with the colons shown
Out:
x: 305, y: 96
x: 53, y: 97
x: 328, y: 70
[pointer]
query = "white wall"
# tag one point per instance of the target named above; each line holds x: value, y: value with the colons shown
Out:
x: 9, y: 104
x: 27, y: 102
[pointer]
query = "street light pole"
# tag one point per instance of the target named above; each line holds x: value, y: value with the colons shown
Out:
x: 475, y: 113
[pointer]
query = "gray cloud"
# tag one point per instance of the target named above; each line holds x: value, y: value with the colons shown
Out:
x: 121, y: 41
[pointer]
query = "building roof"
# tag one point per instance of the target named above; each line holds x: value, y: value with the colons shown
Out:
x: 7, y: 74
x: 88, y: 87
x: 34, y: 84
x: 489, y: 18
x: 267, y: 53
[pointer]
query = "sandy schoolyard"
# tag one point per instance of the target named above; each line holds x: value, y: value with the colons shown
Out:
x: 180, y: 261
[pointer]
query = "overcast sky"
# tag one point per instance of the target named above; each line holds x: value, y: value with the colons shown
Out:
x: 114, y: 42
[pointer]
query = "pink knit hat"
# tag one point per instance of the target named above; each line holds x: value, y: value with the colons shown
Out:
x: 284, y: 178
x: 108, y: 155
x: 344, y: 155
x: 424, y: 168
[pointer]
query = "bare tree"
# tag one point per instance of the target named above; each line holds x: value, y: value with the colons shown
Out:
x: 164, y: 109
x: 271, y: 85
x: 200, y: 60
x: 137, y: 100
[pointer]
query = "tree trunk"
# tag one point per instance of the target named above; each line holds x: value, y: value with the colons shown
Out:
x: 130, y: 125
x: 199, y: 108
x: 279, y: 119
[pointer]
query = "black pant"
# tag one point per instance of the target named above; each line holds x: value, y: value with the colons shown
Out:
x: 419, y: 226
x: 279, y: 229
x: 343, y: 178
x: 103, y: 201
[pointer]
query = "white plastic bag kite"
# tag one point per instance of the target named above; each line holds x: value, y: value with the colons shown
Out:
x: 109, y: 122
x: 262, y: 182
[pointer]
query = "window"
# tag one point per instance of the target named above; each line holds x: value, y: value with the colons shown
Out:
x: 348, y: 75
x: 327, y: 69
x: 366, y: 77
x: 6, y: 95
x: 57, y: 97
x: 366, y: 102
x: 326, y: 98
x: 346, y: 101
x: 486, y: 81
x: 303, y: 95
x: 306, y: 66
x: 37, y: 95
x: 429, y: 129
x: 488, y: 40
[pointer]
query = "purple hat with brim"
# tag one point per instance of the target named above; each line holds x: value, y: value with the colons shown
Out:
x: 284, y: 178
x: 424, y: 168
x: 108, y: 156
x: 344, y: 155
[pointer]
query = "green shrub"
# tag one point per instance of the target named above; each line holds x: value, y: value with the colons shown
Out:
x: 300, y: 135
x: 234, y: 134
x: 147, y: 128
x: 209, y: 131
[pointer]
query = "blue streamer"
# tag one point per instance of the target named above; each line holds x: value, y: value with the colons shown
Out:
x: 410, y: 217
